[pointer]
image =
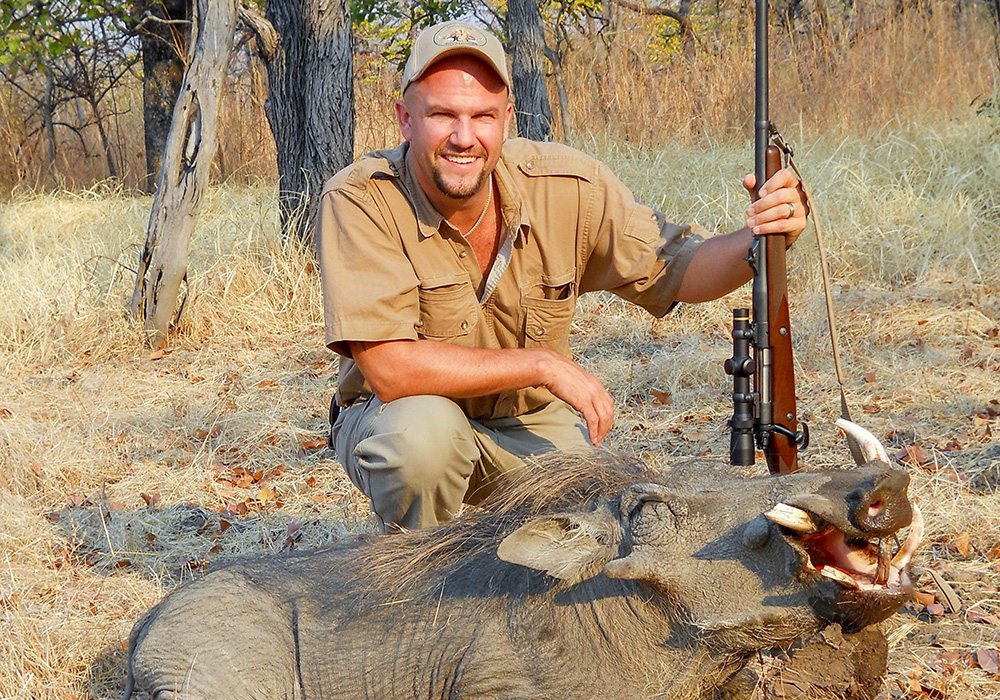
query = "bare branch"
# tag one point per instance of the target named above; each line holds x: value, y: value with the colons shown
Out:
x: 681, y: 18
x: 257, y: 24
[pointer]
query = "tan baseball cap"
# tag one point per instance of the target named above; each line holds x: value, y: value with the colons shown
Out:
x: 452, y: 39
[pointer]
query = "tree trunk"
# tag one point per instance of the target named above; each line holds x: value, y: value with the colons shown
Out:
x: 531, y: 99
x: 164, y: 38
x: 48, y: 121
x: 190, y: 148
x: 310, y: 103
x: 555, y: 59
x: 105, y: 143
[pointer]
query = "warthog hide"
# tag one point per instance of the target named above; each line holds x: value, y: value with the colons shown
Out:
x: 587, y: 578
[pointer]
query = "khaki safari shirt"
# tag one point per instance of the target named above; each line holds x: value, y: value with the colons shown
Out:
x: 393, y: 268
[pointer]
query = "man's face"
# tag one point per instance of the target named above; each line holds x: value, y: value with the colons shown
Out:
x: 456, y: 118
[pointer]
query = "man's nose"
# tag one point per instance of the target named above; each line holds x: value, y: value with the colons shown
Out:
x: 462, y: 136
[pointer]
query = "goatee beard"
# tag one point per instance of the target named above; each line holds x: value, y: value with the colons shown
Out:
x: 460, y: 190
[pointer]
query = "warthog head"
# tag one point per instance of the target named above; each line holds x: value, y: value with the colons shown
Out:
x: 751, y: 559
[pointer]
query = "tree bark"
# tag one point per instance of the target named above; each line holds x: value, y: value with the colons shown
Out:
x: 164, y: 37
x: 48, y: 120
x: 310, y: 103
x: 555, y: 59
x: 531, y: 99
x: 190, y: 148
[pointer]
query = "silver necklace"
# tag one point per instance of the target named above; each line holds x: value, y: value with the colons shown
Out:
x: 489, y: 198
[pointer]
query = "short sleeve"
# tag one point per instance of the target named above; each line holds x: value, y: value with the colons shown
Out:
x: 635, y: 252
x: 369, y: 286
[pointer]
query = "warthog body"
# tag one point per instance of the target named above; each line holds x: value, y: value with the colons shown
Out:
x: 608, y: 582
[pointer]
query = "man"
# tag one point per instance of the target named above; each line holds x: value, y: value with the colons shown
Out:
x: 451, y: 267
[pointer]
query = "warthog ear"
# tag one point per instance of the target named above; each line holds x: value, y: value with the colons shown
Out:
x: 571, y: 547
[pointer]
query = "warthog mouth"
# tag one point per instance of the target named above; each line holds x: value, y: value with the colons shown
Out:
x: 863, y: 566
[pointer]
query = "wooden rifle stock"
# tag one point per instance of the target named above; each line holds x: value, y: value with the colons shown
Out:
x: 778, y: 399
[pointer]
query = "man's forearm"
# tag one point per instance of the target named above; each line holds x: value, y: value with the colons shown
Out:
x: 717, y: 268
x: 412, y: 367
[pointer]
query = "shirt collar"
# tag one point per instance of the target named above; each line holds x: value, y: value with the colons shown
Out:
x: 429, y: 219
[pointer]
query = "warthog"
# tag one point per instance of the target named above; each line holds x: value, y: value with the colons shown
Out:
x: 587, y: 578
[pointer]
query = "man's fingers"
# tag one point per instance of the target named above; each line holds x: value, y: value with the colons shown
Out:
x: 601, y: 407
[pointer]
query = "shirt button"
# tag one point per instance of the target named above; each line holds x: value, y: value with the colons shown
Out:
x: 463, y: 253
x: 530, y: 164
x: 465, y: 325
x: 539, y: 330
x: 419, y: 324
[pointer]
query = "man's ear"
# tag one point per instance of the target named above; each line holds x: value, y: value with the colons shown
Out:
x: 403, y: 119
x: 506, y: 120
x: 571, y: 547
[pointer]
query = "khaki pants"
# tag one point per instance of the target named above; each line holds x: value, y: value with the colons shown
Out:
x: 419, y: 458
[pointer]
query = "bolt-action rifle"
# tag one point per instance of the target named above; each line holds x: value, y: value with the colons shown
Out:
x: 764, y: 411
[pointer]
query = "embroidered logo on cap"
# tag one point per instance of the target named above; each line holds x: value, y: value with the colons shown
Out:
x: 458, y: 35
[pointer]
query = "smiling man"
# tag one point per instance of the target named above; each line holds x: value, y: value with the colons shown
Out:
x: 451, y: 268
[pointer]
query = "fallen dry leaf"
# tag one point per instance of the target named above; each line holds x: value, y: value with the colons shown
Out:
x: 962, y: 544
x: 151, y: 499
x: 923, y: 598
x: 987, y: 659
x: 913, y: 455
x: 661, y: 397
x: 316, y: 444
x: 981, y: 618
x: 869, y: 377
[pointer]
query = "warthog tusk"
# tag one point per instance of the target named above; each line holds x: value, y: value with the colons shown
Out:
x: 839, y: 576
x: 791, y: 517
x: 902, y: 557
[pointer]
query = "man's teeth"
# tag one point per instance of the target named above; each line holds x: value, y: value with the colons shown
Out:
x: 464, y: 160
x: 791, y: 517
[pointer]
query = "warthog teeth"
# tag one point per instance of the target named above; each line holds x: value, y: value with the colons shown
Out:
x: 839, y: 576
x: 791, y: 517
x: 913, y: 539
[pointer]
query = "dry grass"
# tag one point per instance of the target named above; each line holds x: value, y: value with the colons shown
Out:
x: 220, y: 430
x: 123, y: 471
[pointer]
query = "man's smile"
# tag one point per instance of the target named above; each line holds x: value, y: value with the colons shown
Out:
x: 459, y: 160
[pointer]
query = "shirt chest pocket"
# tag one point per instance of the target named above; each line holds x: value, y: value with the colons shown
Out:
x: 448, y: 309
x: 548, y: 314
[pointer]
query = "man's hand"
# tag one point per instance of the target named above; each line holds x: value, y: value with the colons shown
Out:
x: 581, y: 390
x: 782, y: 206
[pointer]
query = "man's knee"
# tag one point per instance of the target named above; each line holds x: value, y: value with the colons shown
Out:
x: 422, y: 440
